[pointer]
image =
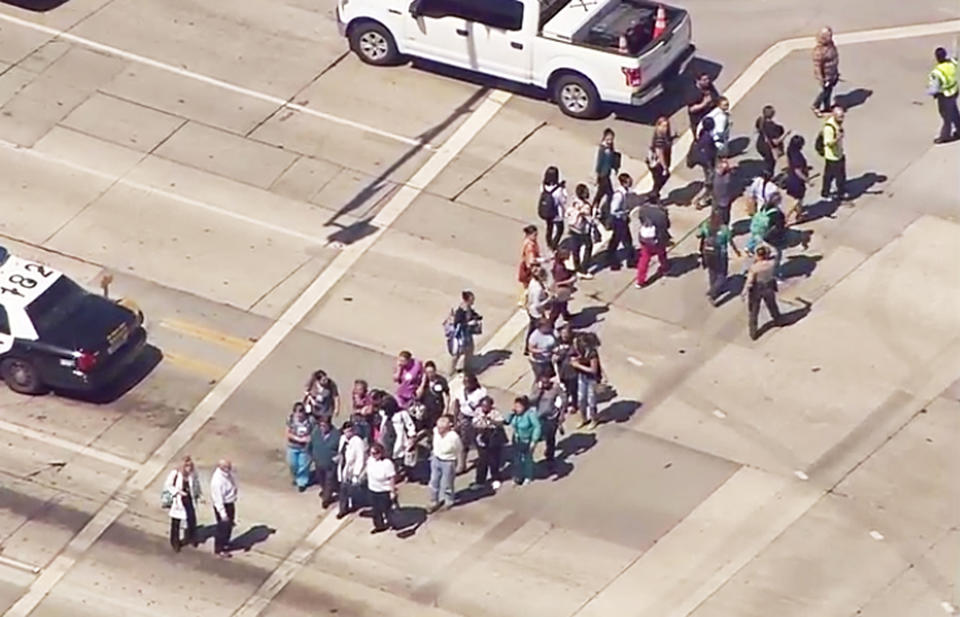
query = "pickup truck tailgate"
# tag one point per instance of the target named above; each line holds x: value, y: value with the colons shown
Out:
x: 667, y: 50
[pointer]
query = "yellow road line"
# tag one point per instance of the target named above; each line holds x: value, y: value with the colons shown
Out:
x: 206, y: 334
x: 192, y: 365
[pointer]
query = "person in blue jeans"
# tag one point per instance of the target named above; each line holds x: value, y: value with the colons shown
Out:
x: 446, y: 447
x: 525, y: 423
x: 586, y: 362
x: 300, y: 429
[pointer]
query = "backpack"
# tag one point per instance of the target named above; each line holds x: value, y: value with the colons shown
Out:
x: 760, y: 223
x: 547, y: 206
x: 648, y: 232
x: 710, y: 249
x: 777, y: 226
x: 818, y: 143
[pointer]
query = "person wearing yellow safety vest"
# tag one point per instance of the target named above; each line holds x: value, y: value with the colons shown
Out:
x: 943, y: 87
x: 835, y: 161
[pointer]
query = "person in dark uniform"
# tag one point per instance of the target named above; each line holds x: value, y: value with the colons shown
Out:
x: 761, y: 285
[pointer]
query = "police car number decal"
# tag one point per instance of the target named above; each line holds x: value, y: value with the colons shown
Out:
x: 23, y: 281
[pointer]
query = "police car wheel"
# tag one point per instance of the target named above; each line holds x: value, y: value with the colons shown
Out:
x: 21, y: 376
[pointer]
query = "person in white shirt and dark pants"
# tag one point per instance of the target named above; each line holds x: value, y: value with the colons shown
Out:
x: 352, y: 458
x: 223, y: 494
x: 382, y: 483
x: 184, y: 486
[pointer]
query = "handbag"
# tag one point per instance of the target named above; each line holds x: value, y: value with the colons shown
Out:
x: 166, y: 498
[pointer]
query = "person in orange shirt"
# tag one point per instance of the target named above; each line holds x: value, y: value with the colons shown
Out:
x: 529, y: 257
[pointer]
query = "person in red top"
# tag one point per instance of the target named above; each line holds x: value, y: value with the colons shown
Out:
x: 529, y: 257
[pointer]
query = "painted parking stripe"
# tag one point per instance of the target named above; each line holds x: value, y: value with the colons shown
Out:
x: 206, y: 334
x: 65, y: 444
x: 206, y: 79
x: 249, y: 362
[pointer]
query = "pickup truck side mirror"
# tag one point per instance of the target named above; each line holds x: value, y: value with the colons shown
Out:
x: 415, y: 9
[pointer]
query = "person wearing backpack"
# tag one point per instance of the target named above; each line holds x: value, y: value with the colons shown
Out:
x: 704, y: 153
x: 551, y: 403
x: 654, y: 236
x: 715, y: 237
x: 829, y: 145
x: 459, y: 328
x: 620, y: 205
x: 776, y: 236
x: 182, y: 493
x: 551, y: 205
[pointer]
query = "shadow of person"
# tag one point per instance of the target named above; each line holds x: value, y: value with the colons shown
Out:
x: 854, y: 98
x: 204, y: 533
x: 861, y: 185
x: 733, y: 288
x: 738, y: 145
x: 588, y: 316
x: 251, y: 537
x: 620, y: 411
x: 684, y: 195
x: 787, y: 319
x: 824, y: 208
x: 406, y: 520
x: 494, y: 357
x: 799, y: 265
x: 681, y: 265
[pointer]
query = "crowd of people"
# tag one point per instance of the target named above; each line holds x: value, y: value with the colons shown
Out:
x: 422, y: 432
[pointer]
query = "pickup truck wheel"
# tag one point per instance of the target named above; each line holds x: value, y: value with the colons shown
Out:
x: 21, y: 376
x: 374, y: 44
x: 576, y: 96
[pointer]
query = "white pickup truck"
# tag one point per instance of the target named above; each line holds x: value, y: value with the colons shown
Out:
x: 584, y: 53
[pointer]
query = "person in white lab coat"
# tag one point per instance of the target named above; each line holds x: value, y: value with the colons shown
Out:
x: 184, y: 487
x: 351, y: 463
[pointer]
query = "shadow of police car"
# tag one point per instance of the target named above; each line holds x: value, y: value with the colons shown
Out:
x: 56, y: 335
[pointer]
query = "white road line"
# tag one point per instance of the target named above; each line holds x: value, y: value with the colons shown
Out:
x: 212, y: 81
x: 20, y: 565
x: 290, y: 566
x: 71, y: 446
x: 153, y: 190
x: 249, y: 362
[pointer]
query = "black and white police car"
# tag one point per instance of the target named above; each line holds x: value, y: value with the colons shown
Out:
x: 55, y: 334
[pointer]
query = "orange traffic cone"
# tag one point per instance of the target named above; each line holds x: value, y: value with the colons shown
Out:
x: 661, y: 23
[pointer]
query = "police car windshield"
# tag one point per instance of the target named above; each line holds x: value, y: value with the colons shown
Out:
x: 58, y: 302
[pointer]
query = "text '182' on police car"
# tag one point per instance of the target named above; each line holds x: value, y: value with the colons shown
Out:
x: 55, y: 334
x: 584, y: 53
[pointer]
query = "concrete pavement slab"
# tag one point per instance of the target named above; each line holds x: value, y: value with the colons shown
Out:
x: 305, y: 178
x: 420, y: 282
x: 13, y: 79
x: 402, y: 99
x: 62, y: 86
x: 187, y: 98
x: 45, y: 55
x: 102, y: 156
x: 385, y: 159
x: 792, y: 577
x: 16, y: 43
x: 268, y: 47
x: 875, y: 489
x: 128, y: 572
x: 32, y: 189
x: 225, y: 154
x: 123, y: 122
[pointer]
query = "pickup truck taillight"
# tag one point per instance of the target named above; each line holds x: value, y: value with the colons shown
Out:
x: 633, y: 76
